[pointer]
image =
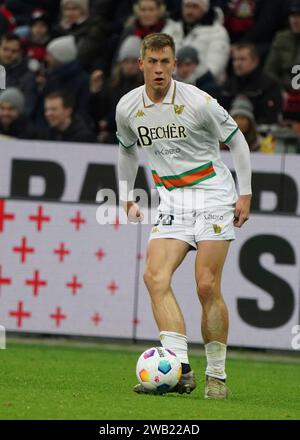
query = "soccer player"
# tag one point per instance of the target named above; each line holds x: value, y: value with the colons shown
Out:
x: 180, y: 127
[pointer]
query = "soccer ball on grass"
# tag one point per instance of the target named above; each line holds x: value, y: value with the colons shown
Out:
x: 158, y: 369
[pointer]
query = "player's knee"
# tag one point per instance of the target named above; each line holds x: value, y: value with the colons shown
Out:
x: 205, y: 288
x: 156, y: 280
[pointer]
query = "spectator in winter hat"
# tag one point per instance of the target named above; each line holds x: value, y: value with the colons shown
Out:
x: 130, y: 49
x: 188, y: 72
x: 94, y: 37
x: 64, y: 72
x: 61, y: 50
x: 242, y: 113
x: 13, y: 122
x: 125, y: 77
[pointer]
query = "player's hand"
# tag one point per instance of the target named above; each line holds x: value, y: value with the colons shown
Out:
x: 242, y: 210
x: 134, y: 214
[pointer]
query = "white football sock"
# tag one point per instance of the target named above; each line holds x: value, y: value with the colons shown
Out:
x: 177, y: 343
x: 216, y: 356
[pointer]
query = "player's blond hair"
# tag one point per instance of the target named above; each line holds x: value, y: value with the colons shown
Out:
x: 157, y: 41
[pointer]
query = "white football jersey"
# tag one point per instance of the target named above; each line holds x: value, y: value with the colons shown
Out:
x: 181, y: 138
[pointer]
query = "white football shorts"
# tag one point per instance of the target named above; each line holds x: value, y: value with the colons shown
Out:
x: 208, y: 224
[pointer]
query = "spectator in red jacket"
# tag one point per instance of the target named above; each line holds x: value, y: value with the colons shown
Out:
x: 254, y: 21
x: 7, y: 20
x: 39, y: 36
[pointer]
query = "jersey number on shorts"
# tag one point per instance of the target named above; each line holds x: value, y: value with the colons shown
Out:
x: 164, y: 219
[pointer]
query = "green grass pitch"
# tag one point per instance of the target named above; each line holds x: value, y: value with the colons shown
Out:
x: 48, y: 381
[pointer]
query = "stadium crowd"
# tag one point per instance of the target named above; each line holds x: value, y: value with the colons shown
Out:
x: 68, y: 62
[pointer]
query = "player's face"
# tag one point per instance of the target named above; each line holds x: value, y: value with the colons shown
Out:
x: 157, y: 67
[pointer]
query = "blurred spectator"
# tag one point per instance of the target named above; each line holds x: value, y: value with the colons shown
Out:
x: 7, y: 20
x: 126, y: 76
x: 22, y: 9
x: 149, y: 16
x: 285, y: 51
x: 13, y: 122
x: 187, y: 68
x: 93, y: 35
x: 242, y: 112
x: 248, y: 79
x: 64, y: 73
x: 201, y: 27
x: 73, y: 13
x: 39, y: 36
x: 254, y: 21
x: 63, y: 125
x: 17, y: 71
x: 115, y: 13
x: 291, y: 108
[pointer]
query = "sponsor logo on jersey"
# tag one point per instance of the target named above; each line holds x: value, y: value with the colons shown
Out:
x: 178, y: 109
x: 166, y: 152
x: 171, y: 132
x: 217, y: 228
x: 213, y: 217
x: 139, y: 114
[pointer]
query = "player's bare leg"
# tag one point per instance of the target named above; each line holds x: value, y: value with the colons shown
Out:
x: 210, y: 260
x: 163, y: 257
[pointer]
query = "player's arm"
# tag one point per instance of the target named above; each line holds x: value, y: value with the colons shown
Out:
x: 128, y: 164
x: 222, y: 125
x: 241, y: 159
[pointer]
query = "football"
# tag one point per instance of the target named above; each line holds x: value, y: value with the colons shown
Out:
x: 158, y: 369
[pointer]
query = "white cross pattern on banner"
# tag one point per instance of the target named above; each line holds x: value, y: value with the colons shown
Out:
x: 61, y: 272
x: 79, y: 278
